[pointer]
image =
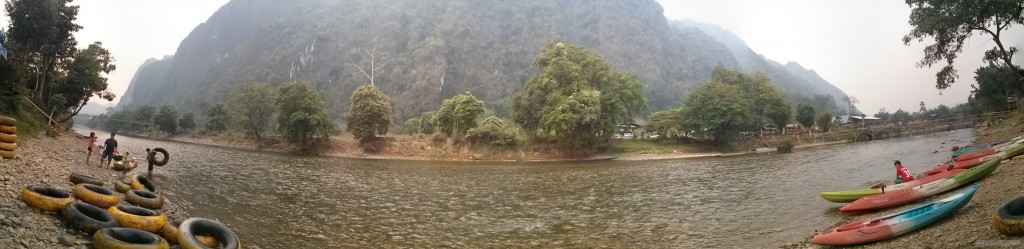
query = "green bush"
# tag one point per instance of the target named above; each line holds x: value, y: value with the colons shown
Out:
x: 785, y: 146
x: 496, y: 132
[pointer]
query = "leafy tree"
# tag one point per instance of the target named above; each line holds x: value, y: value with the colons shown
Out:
x: 426, y: 127
x: 994, y: 84
x: 167, y: 119
x: 901, y: 116
x: 805, y: 115
x: 84, y: 79
x: 187, y: 121
x: 923, y: 108
x: 41, y: 31
x: 496, y: 132
x: 576, y: 97
x: 369, y: 114
x: 458, y: 114
x: 412, y: 126
x: 666, y: 122
x: 883, y: 115
x: 217, y: 118
x: 252, y: 103
x: 826, y: 122
x: 720, y: 109
x: 302, y: 117
x: 951, y: 22
x: 142, y: 114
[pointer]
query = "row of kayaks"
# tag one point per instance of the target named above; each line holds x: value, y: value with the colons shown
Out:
x: 963, y: 169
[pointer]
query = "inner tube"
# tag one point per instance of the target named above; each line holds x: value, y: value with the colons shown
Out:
x: 1010, y: 218
x: 8, y: 146
x: 144, y: 199
x: 87, y: 218
x: 202, y: 226
x: 117, y: 158
x: 167, y: 156
x: 95, y: 195
x: 8, y: 138
x: 46, y: 197
x: 138, y: 218
x: 7, y: 154
x: 122, y: 186
x: 121, y: 238
x: 119, y: 166
x: 78, y: 178
x: 5, y: 120
x: 9, y: 129
x: 171, y: 232
x: 142, y: 183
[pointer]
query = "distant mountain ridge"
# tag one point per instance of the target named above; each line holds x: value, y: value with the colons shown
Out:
x: 433, y: 50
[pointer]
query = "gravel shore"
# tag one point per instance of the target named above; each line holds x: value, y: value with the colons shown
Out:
x: 971, y: 227
x: 51, y: 161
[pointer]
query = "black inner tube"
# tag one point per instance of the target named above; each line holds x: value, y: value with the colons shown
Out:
x: 137, y: 211
x: 163, y: 161
x: 1015, y: 207
x: 98, y: 189
x: 92, y: 212
x: 50, y: 191
x: 147, y: 183
x: 211, y: 228
x: 131, y: 236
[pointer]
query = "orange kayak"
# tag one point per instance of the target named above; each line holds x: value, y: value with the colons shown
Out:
x: 965, y: 164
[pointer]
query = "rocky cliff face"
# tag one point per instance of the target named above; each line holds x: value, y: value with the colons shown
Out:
x: 432, y: 50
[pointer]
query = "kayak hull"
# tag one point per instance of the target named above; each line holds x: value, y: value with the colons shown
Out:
x: 901, y: 197
x: 890, y: 226
x: 853, y: 195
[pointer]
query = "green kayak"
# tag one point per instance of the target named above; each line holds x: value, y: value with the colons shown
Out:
x: 849, y: 195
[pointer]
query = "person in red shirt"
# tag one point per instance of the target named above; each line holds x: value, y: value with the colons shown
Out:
x: 902, y: 174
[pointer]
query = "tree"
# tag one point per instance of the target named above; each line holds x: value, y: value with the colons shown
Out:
x: 576, y: 97
x: 426, y: 127
x: 805, y: 115
x: 41, y: 31
x: 495, y: 132
x: 252, y: 103
x: 766, y: 101
x: 665, y: 123
x: 83, y: 80
x: 993, y: 87
x: 303, y: 117
x: 369, y: 56
x: 923, y: 108
x: 167, y: 119
x: 217, y: 118
x: 853, y: 101
x: 142, y: 114
x: 718, y: 109
x: 951, y: 22
x: 883, y: 115
x: 187, y: 121
x: 412, y: 125
x: 458, y: 114
x: 901, y: 116
x: 826, y: 122
x: 369, y: 114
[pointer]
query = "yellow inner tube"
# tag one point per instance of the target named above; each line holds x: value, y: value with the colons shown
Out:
x: 137, y: 184
x: 96, y: 195
x: 121, y: 186
x: 170, y: 231
x: 9, y: 129
x: 5, y: 120
x: 8, y: 138
x: 6, y: 154
x: 127, y: 238
x: 46, y: 198
x: 152, y: 221
x: 8, y: 146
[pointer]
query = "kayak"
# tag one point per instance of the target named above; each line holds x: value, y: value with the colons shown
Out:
x: 996, y: 148
x: 853, y: 195
x: 897, y: 198
x: 966, y: 164
x: 897, y: 224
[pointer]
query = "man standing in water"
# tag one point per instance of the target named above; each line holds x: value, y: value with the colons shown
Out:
x: 108, y: 150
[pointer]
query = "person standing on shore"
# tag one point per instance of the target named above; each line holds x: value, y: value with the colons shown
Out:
x: 92, y: 143
x: 108, y: 150
x: 902, y: 174
x: 150, y: 157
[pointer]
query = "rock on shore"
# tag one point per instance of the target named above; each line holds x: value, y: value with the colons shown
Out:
x: 50, y: 161
x: 971, y: 227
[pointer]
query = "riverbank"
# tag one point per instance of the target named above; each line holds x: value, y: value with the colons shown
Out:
x: 971, y: 227
x: 51, y: 161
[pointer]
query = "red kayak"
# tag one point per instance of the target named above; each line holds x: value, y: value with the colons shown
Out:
x: 975, y: 154
x: 965, y: 164
x: 894, y: 197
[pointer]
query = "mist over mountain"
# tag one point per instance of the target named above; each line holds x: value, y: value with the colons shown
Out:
x: 432, y: 50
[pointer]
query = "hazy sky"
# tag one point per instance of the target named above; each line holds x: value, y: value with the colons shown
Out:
x: 855, y: 45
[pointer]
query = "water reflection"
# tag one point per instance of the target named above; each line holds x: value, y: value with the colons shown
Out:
x: 274, y: 200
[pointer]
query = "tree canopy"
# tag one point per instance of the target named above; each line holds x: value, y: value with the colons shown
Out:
x: 576, y: 96
x: 252, y: 103
x: 951, y: 22
x: 302, y: 116
x: 369, y: 115
x: 187, y: 122
x: 217, y: 118
x: 458, y: 114
x: 167, y: 119
x: 731, y: 103
x: 805, y: 115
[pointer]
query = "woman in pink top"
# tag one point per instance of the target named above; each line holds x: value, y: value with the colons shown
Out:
x: 92, y: 143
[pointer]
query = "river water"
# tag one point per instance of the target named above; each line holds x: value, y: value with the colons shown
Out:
x: 766, y: 200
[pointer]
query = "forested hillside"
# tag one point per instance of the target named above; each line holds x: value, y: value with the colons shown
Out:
x: 428, y: 51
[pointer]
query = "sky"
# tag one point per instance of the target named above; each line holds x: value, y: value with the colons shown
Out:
x: 855, y: 45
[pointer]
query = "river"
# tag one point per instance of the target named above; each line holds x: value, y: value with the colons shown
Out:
x: 766, y: 200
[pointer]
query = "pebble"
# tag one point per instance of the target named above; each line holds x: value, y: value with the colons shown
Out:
x: 65, y: 240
